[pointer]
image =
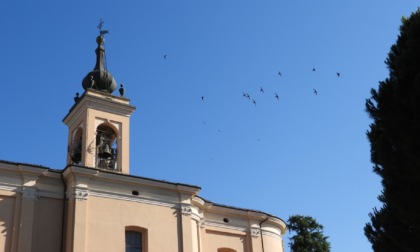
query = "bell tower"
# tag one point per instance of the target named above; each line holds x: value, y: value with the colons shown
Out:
x: 99, y: 122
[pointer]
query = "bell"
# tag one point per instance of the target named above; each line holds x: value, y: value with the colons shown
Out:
x: 104, y: 151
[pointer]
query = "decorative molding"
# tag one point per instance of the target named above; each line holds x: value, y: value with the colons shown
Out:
x: 211, y: 223
x: 202, y: 223
x: 186, y: 210
x: 9, y: 188
x: 30, y: 193
x: 125, y: 197
x: 255, y: 232
x: 198, y: 200
x: 81, y: 194
x: 272, y: 234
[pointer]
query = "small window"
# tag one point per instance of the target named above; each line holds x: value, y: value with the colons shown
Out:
x: 133, y: 241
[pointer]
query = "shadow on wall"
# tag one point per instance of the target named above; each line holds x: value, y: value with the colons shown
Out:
x: 7, y: 205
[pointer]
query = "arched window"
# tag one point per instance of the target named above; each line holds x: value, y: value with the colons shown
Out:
x: 225, y: 250
x: 133, y: 241
x: 75, y: 147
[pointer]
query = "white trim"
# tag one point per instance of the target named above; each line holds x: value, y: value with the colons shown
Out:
x: 272, y: 234
x: 210, y: 223
x: 40, y: 194
x: 9, y: 188
x: 125, y: 197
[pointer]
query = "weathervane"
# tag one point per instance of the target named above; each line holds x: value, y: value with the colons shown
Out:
x: 102, y: 32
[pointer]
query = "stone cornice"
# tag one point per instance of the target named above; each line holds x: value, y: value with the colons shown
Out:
x: 102, y: 102
x: 272, y: 234
x: 35, y: 170
x: 132, y: 198
x: 116, y: 179
x: 255, y: 217
x: 58, y: 194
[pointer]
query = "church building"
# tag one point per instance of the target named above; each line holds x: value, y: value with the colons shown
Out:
x: 94, y: 204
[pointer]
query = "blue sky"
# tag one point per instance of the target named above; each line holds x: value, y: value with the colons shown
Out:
x: 302, y: 154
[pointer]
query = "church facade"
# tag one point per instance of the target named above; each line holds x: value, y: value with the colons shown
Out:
x: 94, y: 204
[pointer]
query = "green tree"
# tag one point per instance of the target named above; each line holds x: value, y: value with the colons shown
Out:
x: 394, y: 136
x: 308, y: 236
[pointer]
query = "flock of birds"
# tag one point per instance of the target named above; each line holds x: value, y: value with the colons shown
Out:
x: 276, y: 96
x: 261, y: 90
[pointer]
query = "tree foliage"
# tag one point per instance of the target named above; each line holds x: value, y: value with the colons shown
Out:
x: 395, y: 145
x: 308, y: 236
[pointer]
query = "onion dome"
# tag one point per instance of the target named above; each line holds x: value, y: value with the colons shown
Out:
x: 99, y: 78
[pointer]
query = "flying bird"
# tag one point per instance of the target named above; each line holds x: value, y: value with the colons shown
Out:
x: 277, y: 96
x: 254, y: 102
x: 261, y: 90
x: 202, y: 98
x: 164, y: 56
x: 313, y: 69
x: 338, y: 74
x: 315, y: 92
x: 279, y: 73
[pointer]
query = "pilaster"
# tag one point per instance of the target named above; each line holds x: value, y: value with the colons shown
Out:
x: 186, y: 227
x: 27, y: 214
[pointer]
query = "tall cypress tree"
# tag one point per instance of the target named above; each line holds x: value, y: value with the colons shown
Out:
x: 395, y: 145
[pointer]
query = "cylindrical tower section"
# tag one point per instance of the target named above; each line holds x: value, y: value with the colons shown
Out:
x: 272, y: 231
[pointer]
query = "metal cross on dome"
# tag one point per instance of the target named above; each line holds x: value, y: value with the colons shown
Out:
x: 102, y: 32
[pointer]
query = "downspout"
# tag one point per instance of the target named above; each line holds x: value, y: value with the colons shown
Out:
x: 262, y: 239
x: 64, y: 213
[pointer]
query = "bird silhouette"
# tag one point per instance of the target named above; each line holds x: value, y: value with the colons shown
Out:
x: 76, y: 98
x: 279, y: 73
x: 313, y: 69
x: 254, y: 102
x: 202, y: 98
x: 315, y: 92
x: 121, y: 90
x: 261, y: 90
x: 338, y: 74
x: 277, y: 96
x: 164, y: 56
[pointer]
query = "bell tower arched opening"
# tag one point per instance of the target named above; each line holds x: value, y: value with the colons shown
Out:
x: 75, y: 147
x: 106, y: 148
